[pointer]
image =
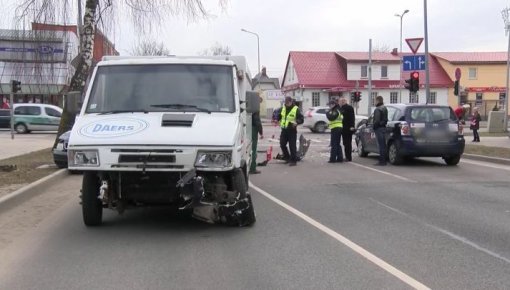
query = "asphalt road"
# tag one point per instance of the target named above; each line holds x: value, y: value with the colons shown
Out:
x: 319, y: 226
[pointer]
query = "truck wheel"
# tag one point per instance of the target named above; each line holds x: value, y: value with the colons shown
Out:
x: 247, y: 216
x: 394, y: 155
x: 452, y: 160
x: 92, y: 207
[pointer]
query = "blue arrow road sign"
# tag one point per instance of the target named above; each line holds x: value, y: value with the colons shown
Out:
x: 413, y: 62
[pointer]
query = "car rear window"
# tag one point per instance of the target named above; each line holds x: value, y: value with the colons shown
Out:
x: 321, y: 111
x: 431, y: 114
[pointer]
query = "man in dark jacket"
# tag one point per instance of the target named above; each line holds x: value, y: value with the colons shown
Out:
x: 290, y: 116
x: 348, y: 127
x: 335, y: 124
x: 256, y: 129
x: 380, y: 121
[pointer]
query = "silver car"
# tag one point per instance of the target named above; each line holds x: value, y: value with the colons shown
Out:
x: 316, y: 121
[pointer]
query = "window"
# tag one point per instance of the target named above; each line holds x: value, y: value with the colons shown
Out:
x: 373, y: 96
x: 479, y: 96
x: 414, y: 98
x: 316, y: 99
x: 391, y: 113
x: 393, y: 97
x: 473, y: 73
x: 384, y: 71
x: 432, y: 98
x: 364, y: 71
x: 427, y: 114
x: 52, y: 112
x: 162, y: 87
x: 321, y: 111
x: 27, y: 110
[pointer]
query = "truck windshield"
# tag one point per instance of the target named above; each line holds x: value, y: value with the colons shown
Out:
x: 162, y: 87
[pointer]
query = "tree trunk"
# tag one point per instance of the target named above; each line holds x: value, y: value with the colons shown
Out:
x: 82, y: 71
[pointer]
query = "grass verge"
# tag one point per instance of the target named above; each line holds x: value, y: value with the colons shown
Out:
x: 26, y: 168
x: 488, y: 151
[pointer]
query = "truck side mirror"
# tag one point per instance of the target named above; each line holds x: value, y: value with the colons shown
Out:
x: 72, y: 102
x: 252, y: 102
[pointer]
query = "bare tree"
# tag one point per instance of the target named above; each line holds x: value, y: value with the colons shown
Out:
x: 144, y: 14
x: 150, y: 47
x: 217, y: 49
x: 381, y: 48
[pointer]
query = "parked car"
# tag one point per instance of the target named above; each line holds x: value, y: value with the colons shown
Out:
x: 60, y: 151
x: 416, y: 130
x: 316, y: 121
x: 5, y: 118
x: 36, y: 117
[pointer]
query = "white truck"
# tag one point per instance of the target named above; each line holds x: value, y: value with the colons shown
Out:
x: 170, y: 131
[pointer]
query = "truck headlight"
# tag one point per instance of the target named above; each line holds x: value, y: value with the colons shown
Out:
x: 83, y: 158
x: 213, y: 159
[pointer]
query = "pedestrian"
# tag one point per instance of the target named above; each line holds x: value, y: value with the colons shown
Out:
x: 256, y: 130
x: 290, y: 117
x: 5, y: 104
x: 475, y: 124
x: 335, y: 124
x: 459, y: 112
x: 349, y: 119
x: 380, y: 121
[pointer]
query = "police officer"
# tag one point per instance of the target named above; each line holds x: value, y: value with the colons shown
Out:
x: 335, y: 124
x: 349, y: 118
x: 290, y: 116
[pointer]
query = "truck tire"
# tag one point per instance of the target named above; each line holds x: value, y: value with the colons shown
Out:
x: 247, y: 216
x: 92, y: 207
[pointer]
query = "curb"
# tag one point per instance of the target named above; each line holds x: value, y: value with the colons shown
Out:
x: 25, y: 193
x: 503, y: 161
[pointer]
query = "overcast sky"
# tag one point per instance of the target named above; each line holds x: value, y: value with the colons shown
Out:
x: 329, y: 25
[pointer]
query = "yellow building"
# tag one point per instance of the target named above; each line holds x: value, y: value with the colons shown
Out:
x: 482, y: 81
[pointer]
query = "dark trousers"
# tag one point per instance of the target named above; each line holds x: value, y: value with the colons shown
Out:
x: 289, y: 136
x: 347, y: 141
x: 381, y: 143
x: 476, y: 136
x: 254, y: 143
x: 336, y: 150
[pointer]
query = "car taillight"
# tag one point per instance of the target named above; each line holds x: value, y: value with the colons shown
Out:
x: 404, y: 129
x: 309, y: 114
x: 461, y: 129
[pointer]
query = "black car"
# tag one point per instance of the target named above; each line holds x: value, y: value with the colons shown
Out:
x: 5, y: 118
x: 416, y: 130
x: 60, y: 152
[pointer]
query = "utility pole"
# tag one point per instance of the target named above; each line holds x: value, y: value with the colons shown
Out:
x: 427, y: 71
x: 369, y: 98
x: 506, y: 18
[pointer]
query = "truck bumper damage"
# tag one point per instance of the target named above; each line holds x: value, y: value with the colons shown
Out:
x: 216, y: 204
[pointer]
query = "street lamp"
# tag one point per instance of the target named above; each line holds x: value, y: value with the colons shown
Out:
x: 505, y: 13
x: 400, y: 70
x: 258, y: 45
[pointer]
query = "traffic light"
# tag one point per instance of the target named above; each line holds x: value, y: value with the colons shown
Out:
x: 353, y: 97
x: 357, y: 97
x: 15, y: 86
x: 456, y: 88
x: 413, y: 83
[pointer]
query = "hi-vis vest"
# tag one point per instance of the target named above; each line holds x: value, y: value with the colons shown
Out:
x: 287, y: 118
x: 337, y: 123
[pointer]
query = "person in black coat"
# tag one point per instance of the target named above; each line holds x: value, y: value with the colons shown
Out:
x: 348, y: 127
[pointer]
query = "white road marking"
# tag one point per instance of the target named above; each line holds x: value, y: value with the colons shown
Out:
x: 383, y: 172
x: 448, y: 233
x: 490, y: 165
x: 353, y: 246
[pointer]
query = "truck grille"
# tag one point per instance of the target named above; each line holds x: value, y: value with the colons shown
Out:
x: 146, y: 158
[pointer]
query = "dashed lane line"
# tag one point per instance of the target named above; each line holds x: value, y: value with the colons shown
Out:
x: 383, y: 172
x: 345, y: 241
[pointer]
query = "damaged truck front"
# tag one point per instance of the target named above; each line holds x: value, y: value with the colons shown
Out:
x: 170, y: 131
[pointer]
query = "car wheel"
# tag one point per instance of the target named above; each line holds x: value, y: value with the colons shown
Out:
x: 361, y: 150
x: 320, y: 127
x: 312, y: 130
x: 394, y: 155
x: 92, y: 207
x: 247, y: 216
x: 21, y: 128
x: 452, y: 160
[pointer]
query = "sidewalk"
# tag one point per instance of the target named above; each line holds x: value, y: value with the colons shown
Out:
x: 23, y: 144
